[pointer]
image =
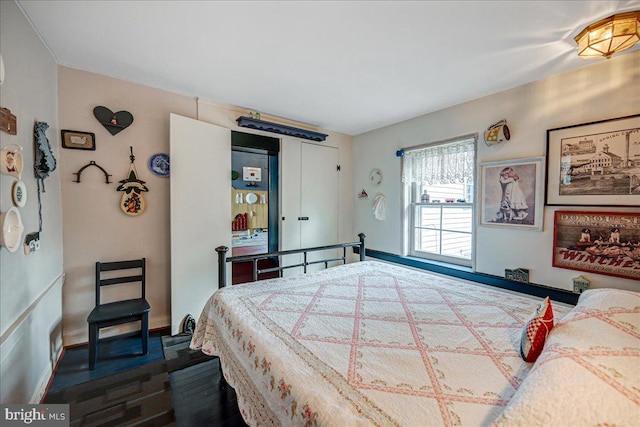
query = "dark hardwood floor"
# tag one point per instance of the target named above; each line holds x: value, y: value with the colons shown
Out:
x: 199, y: 394
x: 114, y: 355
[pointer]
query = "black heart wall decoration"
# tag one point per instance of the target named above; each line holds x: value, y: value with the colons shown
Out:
x: 113, y: 122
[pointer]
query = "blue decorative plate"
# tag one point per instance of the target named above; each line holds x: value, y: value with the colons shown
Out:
x: 159, y: 164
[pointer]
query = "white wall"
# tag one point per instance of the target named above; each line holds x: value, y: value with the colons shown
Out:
x: 30, y: 285
x: 95, y: 229
x: 600, y: 90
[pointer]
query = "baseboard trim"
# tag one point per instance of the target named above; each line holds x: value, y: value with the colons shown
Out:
x: 45, y: 378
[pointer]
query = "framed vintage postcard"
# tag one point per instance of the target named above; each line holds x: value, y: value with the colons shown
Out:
x: 594, y: 164
x: 511, y: 193
x: 598, y: 242
x: 78, y: 140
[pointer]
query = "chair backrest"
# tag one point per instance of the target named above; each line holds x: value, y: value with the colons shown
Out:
x: 120, y: 265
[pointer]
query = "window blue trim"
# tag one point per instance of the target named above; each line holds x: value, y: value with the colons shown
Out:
x: 467, y: 273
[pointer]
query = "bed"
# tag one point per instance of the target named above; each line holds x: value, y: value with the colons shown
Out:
x: 370, y: 343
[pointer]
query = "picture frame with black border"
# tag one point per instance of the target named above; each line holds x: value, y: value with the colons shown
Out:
x: 78, y: 140
x: 594, y: 164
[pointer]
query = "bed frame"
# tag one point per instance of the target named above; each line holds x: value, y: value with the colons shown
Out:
x: 223, y: 260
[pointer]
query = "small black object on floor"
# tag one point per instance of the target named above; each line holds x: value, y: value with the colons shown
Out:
x: 178, y: 354
x: 185, y: 389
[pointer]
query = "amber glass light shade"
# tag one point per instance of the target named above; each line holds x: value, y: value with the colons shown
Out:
x: 609, y: 35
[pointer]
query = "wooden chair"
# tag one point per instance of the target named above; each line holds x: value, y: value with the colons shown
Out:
x: 118, y: 312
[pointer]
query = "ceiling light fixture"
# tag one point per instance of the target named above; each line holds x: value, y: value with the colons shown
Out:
x: 609, y: 36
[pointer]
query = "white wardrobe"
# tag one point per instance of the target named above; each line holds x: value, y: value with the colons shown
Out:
x: 201, y: 208
x: 309, y: 198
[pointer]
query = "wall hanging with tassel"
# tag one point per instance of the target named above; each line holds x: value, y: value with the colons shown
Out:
x: 132, y: 202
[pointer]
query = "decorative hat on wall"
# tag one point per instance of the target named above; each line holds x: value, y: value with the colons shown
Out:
x: 113, y: 122
x: 497, y: 133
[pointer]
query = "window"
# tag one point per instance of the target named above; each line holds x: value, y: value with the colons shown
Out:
x: 439, y: 186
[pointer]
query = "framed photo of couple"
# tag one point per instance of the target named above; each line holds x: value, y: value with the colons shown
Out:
x: 512, y: 193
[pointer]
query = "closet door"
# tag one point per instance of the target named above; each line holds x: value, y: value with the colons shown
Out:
x: 318, y: 195
x: 200, y: 212
x: 290, y: 158
x: 309, y: 200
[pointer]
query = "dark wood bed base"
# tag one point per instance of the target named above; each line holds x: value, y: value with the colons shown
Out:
x: 223, y: 260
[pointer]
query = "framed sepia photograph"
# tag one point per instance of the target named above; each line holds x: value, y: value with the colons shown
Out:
x: 594, y: 164
x: 78, y: 140
x: 598, y: 242
x: 511, y: 193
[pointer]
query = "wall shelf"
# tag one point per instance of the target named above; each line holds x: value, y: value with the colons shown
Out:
x: 248, y: 122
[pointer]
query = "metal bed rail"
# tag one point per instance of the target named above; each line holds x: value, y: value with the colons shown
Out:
x: 223, y: 260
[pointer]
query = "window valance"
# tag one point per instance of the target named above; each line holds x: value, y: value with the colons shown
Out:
x: 446, y: 163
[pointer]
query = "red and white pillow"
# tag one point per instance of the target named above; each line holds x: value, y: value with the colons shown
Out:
x: 535, y: 332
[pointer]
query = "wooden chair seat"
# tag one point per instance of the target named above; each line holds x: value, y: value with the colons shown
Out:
x: 119, y: 310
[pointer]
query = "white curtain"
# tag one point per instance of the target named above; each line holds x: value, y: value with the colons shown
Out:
x: 447, y: 163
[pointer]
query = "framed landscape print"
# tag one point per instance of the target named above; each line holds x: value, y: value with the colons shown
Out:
x: 598, y: 242
x: 512, y: 193
x: 594, y: 164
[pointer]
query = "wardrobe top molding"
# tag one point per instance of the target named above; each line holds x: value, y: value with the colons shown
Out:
x: 249, y: 122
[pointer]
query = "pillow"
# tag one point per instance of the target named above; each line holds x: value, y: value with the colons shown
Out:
x: 587, y: 374
x: 535, y: 332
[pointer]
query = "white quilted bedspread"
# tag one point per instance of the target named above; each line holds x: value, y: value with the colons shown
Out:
x: 368, y: 344
x: 589, y: 371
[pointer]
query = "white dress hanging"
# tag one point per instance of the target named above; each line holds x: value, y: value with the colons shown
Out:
x: 380, y: 207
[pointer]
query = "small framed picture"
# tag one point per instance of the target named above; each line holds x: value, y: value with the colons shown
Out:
x: 251, y: 174
x: 78, y: 140
x: 511, y: 193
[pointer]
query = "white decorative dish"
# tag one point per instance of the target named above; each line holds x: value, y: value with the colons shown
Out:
x: 12, y: 228
x: 19, y: 194
x: 251, y: 198
x: 375, y: 176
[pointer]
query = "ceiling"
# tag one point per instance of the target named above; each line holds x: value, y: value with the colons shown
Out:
x: 347, y: 66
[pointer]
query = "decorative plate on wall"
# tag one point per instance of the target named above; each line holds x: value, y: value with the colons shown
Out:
x: 19, y: 194
x: 11, y: 229
x: 375, y: 176
x: 251, y: 198
x: 159, y: 164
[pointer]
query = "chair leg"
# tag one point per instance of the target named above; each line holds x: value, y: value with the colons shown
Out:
x: 144, y: 330
x: 93, y: 345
